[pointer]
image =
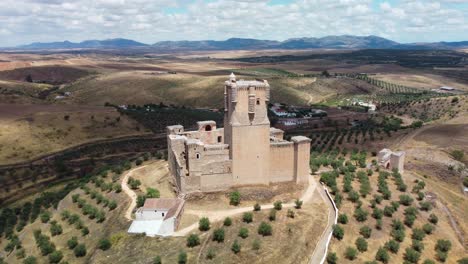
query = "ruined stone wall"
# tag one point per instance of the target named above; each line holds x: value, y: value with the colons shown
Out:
x: 282, y: 161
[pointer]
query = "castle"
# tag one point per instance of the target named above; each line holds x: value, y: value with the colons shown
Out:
x: 245, y: 152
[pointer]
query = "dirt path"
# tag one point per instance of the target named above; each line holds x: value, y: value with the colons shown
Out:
x: 130, y: 192
x: 321, y: 247
x: 403, y: 140
x: 219, y: 215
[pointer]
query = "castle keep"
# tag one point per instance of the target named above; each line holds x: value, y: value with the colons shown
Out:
x: 245, y: 152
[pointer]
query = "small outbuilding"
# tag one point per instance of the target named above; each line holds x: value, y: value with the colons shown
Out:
x: 391, y: 160
x: 158, y: 217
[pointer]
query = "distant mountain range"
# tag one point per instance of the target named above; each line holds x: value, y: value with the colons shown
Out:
x: 329, y: 42
x: 87, y: 44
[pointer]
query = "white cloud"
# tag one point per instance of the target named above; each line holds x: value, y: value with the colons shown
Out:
x: 148, y: 20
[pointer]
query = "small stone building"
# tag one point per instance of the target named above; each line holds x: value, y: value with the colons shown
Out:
x: 158, y: 216
x: 391, y: 160
x: 245, y: 152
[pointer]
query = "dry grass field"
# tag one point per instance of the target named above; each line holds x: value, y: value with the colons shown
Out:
x: 305, y: 229
x: 423, y: 81
x: 27, y: 131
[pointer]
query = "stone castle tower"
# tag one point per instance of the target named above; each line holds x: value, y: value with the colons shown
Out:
x: 247, y: 151
x: 247, y: 129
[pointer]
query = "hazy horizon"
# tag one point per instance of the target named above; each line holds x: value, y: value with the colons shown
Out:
x: 146, y: 21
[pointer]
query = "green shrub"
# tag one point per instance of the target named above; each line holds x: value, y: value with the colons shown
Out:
x: 377, y: 213
x: 382, y: 255
x: 265, y: 229
x: 84, y: 231
x: 388, y: 211
x: 433, y: 219
x: 361, y: 244
x: 332, y: 258
x: 398, y: 235
x: 353, y: 196
x: 278, y: 205
x: 343, y: 219
x: 236, y: 247
x: 378, y: 224
x: 112, y: 205
x: 298, y: 204
x: 55, y: 257
x: 360, y: 214
x: 45, y: 216
x: 457, y: 154
x: 290, y: 213
x: 257, y: 207
x: 428, y: 261
x: 141, y: 200
x: 193, y: 240
x: 204, y: 224
x: 365, y: 231
x: 411, y: 255
x: 104, y: 244
x: 152, y: 193
x: 425, y: 206
x: 441, y: 256
x: 428, y: 228
x: 406, y: 200
x: 418, y: 234
x: 461, y: 261
x: 80, y: 250
x: 243, y: 232
x: 157, y: 260
x: 443, y: 245
x: 29, y: 260
x: 338, y: 232
x: 218, y: 235
x: 247, y: 217
x: 72, y: 242
x: 234, y: 198
x: 210, y: 254
x: 392, y: 246
x: 227, y: 221
x: 350, y: 253
x: 256, y: 244
x: 417, y: 245
x: 272, y: 215
x: 182, y: 258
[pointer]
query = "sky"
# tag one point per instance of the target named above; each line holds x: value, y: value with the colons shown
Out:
x: 150, y: 21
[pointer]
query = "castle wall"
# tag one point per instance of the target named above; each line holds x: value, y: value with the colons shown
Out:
x: 282, y: 163
x: 250, y: 154
x: 302, y: 159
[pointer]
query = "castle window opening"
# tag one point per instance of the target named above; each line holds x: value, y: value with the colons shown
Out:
x: 258, y: 101
x: 198, y: 155
x: 207, y: 128
x: 162, y: 214
x: 220, y: 138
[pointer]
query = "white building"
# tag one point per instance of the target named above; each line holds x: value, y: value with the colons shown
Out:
x: 391, y: 160
x: 158, y: 217
x: 372, y: 107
